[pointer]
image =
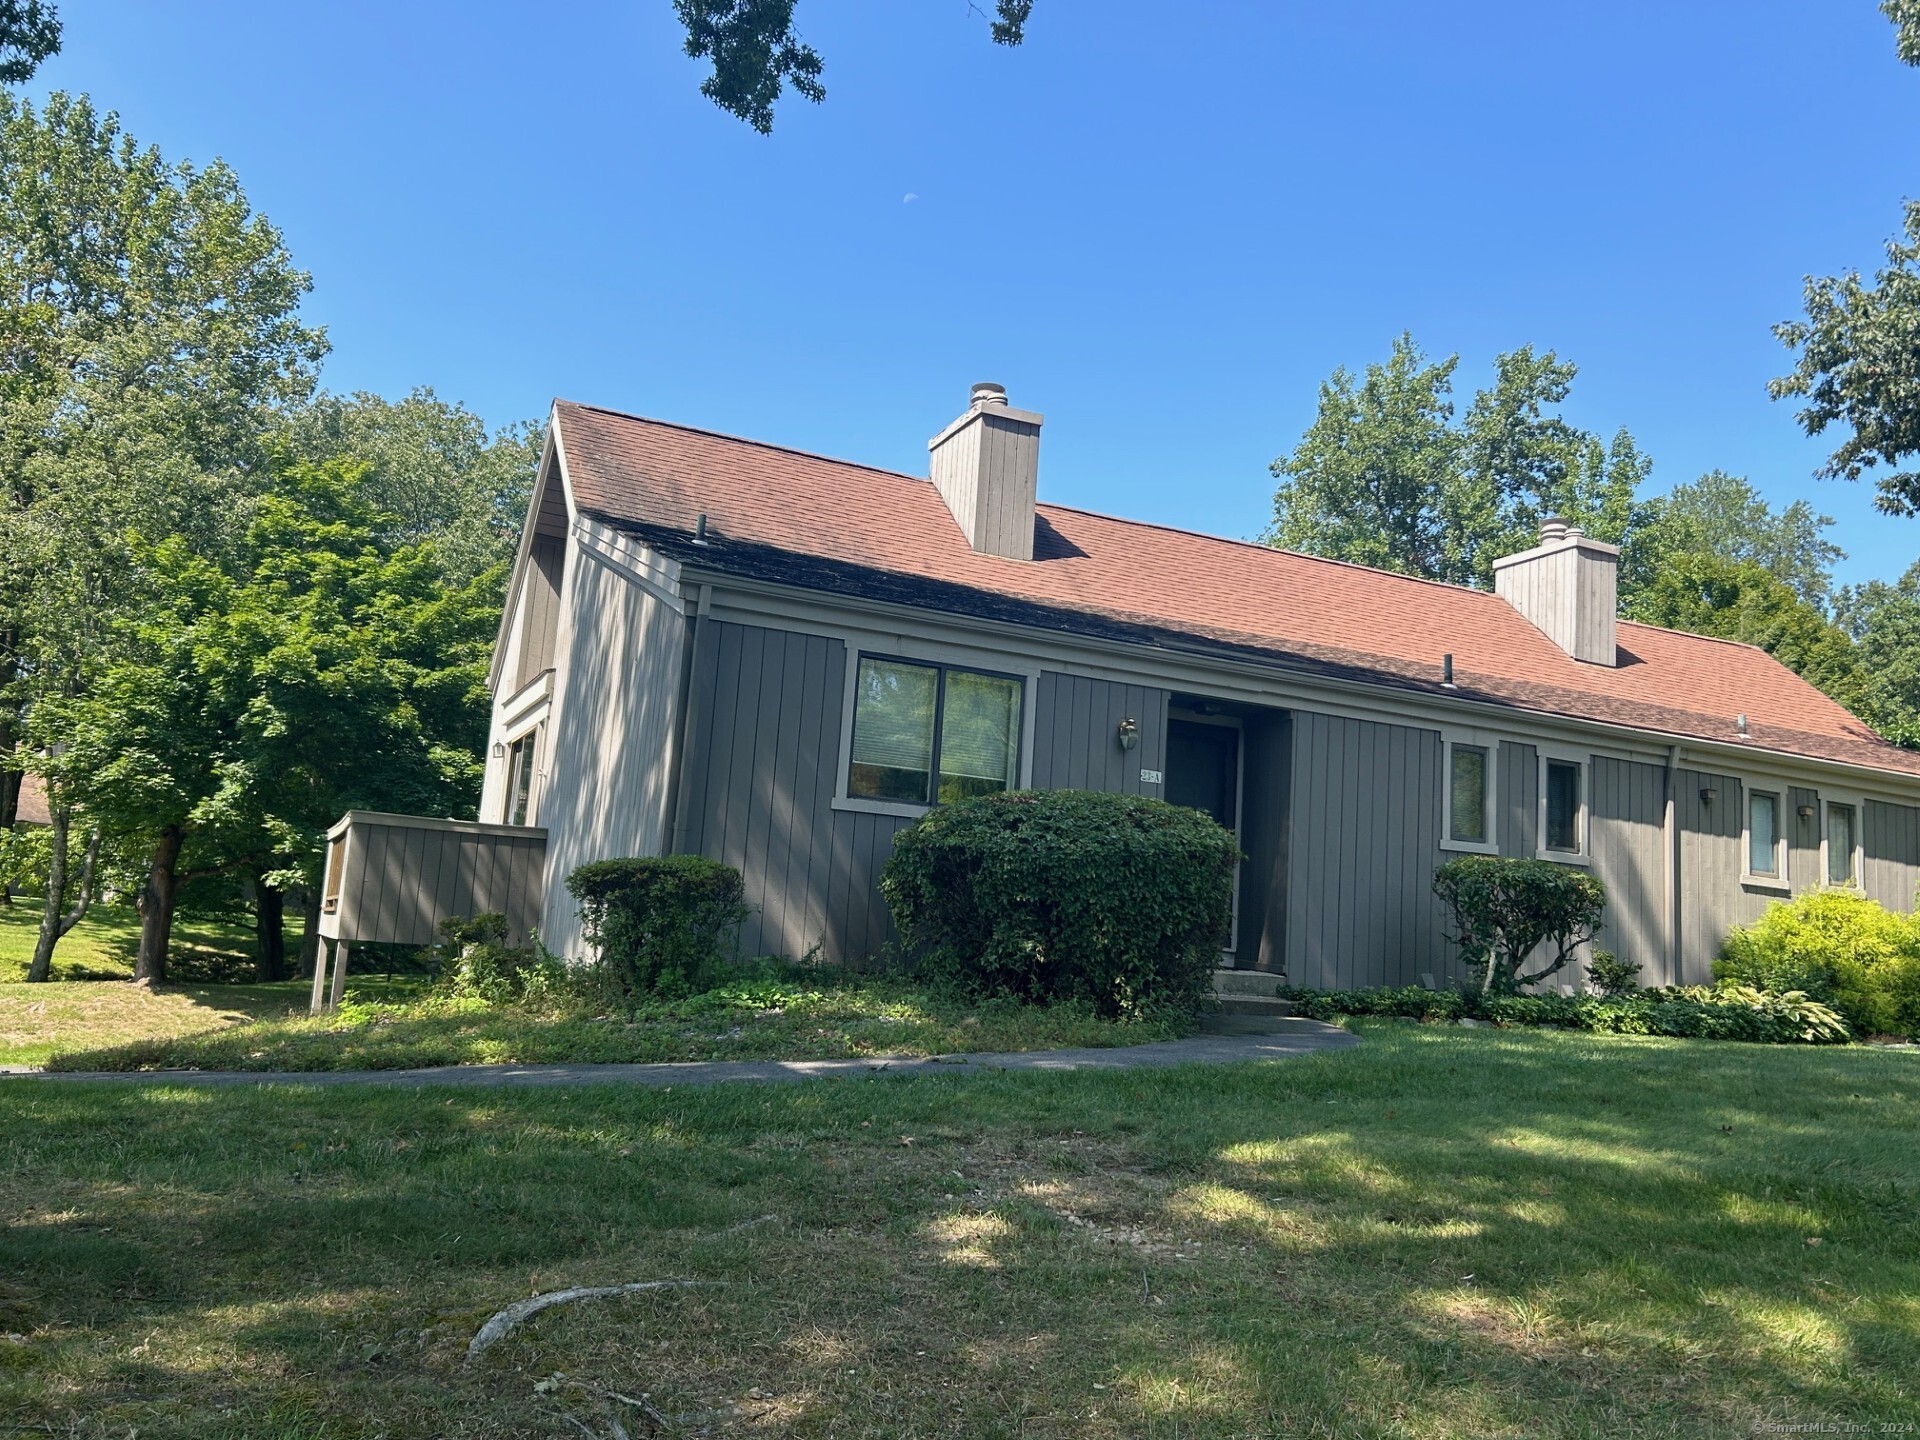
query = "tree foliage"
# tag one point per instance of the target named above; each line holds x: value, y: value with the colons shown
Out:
x: 1508, y: 914
x: 29, y: 33
x: 1386, y: 476
x: 1858, y: 367
x: 1905, y: 15
x: 1723, y: 516
x: 757, y: 54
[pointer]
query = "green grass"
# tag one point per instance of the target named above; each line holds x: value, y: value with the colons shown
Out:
x: 799, y: 1015
x: 102, y: 946
x: 1441, y: 1233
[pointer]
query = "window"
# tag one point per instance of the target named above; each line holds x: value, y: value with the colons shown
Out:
x: 1563, y: 807
x: 932, y: 734
x: 1469, y: 785
x: 1766, y: 842
x: 519, y: 779
x: 1467, y: 800
x: 1842, y: 843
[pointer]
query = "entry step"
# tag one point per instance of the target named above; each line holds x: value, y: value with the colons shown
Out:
x: 1250, y: 992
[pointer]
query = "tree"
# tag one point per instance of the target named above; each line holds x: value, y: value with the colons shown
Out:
x: 1385, y: 476
x: 756, y: 52
x: 1723, y: 515
x: 150, y: 324
x: 248, y: 704
x: 1859, y: 366
x: 29, y: 33
x: 1884, y: 621
x: 432, y: 466
x: 1905, y: 15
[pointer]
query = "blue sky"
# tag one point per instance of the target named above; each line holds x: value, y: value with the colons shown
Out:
x: 1162, y: 233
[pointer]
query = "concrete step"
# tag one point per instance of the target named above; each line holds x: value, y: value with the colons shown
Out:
x: 1267, y: 1005
x: 1246, y: 982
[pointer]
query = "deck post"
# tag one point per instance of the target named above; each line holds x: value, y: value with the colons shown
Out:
x: 340, y: 951
x: 319, y: 1000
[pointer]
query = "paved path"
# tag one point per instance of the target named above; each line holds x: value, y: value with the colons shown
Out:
x: 1276, y: 1040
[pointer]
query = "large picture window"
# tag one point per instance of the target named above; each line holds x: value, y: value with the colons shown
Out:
x: 932, y: 734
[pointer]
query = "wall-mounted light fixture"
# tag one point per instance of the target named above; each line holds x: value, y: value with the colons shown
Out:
x: 1129, y: 733
x: 1806, y: 812
x: 1707, y: 793
x: 499, y: 750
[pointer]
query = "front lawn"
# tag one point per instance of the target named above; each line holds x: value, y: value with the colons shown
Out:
x: 102, y: 946
x: 1440, y: 1233
x: 822, y: 1014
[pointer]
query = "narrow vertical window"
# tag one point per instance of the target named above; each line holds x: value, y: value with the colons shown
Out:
x: 1842, y: 868
x: 1467, y: 797
x: 519, y: 779
x: 1563, y: 806
x: 1763, y: 833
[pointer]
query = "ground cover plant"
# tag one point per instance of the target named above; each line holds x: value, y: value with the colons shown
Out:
x: 1439, y: 1233
x: 1726, y: 1011
x: 767, y: 1012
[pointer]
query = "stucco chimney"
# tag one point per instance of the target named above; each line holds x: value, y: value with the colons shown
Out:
x: 1567, y: 586
x: 986, y: 467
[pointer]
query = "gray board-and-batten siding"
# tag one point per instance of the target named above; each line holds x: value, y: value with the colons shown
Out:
x: 393, y: 878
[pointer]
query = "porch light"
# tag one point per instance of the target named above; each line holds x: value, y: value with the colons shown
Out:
x: 499, y: 750
x: 1806, y: 812
x: 1129, y: 733
x: 1706, y: 795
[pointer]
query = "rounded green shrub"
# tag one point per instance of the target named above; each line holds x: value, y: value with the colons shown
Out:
x: 1045, y: 896
x: 658, y: 924
x: 1838, y: 947
x: 1509, y: 914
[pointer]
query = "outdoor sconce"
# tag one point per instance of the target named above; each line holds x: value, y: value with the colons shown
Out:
x: 1129, y: 733
x: 1806, y: 812
x: 1707, y: 794
x: 499, y: 750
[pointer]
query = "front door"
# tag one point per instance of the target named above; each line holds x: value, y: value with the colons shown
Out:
x: 1203, y: 772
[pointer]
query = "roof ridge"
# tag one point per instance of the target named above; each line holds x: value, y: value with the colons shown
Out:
x: 740, y: 440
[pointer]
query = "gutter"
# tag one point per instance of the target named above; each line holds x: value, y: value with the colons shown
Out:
x: 1672, y: 827
x: 673, y: 823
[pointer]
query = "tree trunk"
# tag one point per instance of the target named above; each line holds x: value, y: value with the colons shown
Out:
x: 269, y: 931
x: 310, y: 929
x: 156, y: 908
x: 54, y: 924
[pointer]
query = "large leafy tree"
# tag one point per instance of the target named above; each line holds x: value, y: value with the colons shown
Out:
x: 255, y: 697
x: 150, y: 326
x: 1386, y: 476
x: 757, y: 54
x: 1722, y: 515
x: 432, y: 466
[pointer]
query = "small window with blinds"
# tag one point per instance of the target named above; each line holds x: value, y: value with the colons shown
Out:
x: 932, y: 734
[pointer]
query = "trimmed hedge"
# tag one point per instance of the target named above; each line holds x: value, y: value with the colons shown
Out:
x: 1720, y: 1012
x: 1508, y: 914
x: 1045, y: 896
x: 1840, y: 948
x: 659, y: 924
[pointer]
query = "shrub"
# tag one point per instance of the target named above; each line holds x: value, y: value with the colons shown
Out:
x: 1839, y: 948
x: 1504, y: 910
x: 1609, y: 975
x: 474, y: 959
x: 658, y: 924
x: 1116, y: 900
x: 1723, y: 1012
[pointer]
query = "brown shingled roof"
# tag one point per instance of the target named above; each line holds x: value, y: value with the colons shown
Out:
x: 833, y: 524
x: 33, y: 801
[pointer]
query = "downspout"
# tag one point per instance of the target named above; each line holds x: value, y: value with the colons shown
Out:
x: 673, y: 822
x: 1672, y: 826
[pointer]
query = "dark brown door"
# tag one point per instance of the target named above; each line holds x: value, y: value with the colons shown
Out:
x: 1203, y: 772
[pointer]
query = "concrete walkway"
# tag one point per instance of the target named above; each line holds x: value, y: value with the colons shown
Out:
x: 1274, y: 1040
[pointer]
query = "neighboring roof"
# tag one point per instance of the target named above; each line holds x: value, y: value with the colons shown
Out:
x: 33, y: 802
x: 831, y: 524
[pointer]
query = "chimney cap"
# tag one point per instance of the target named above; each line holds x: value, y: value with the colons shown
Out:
x: 988, y: 393
x: 1554, y: 527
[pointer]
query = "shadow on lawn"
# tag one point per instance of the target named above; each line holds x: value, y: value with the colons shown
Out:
x: 1456, y: 1235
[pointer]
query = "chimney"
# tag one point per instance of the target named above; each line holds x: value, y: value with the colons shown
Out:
x: 1566, y: 586
x: 986, y: 466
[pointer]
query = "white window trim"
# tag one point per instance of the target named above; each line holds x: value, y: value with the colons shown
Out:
x: 537, y: 772
x: 1582, y: 821
x: 1476, y: 740
x: 1858, y: 804
x: 955, y: 658
x: 1783, y: 812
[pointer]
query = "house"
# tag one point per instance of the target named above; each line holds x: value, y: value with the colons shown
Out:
x: 728, y: 648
